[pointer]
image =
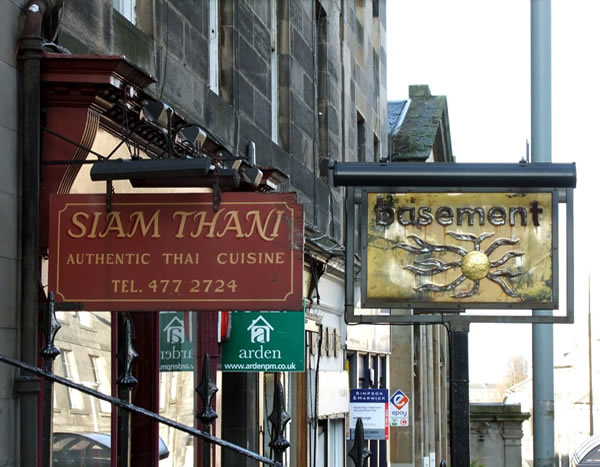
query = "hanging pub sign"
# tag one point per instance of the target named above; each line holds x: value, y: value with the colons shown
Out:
x: 153, y: 252
x: 461, y: 249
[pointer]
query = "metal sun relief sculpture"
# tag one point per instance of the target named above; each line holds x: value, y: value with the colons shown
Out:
x: 474, y: 265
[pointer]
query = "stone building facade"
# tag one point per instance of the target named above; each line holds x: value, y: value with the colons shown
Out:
x: 300, y: 82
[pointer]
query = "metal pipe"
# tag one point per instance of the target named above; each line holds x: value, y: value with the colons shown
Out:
x: 444, y: 174
x: 30, y: 47
x: 459, y: 395
x: 541, y: 144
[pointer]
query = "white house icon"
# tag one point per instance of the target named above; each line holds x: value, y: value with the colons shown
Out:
x: 175, y: 331
x: 260, y: 330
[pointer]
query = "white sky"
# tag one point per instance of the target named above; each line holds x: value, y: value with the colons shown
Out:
x: 477, y: 53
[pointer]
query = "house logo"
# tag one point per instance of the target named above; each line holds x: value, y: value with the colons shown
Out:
x: 175, y: 331
x: 260, y: 331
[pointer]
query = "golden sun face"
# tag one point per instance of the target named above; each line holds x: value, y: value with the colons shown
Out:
x: 475, y: 265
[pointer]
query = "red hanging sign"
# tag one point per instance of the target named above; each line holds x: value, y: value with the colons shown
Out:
x: 172, y: 251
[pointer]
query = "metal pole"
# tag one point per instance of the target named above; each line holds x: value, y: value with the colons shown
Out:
x: 125, y: 384
x: 590, y: 367
x: 459, y: 395
x: 541, y: 144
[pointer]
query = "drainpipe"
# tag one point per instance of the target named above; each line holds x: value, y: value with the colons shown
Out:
x: 30, y: 48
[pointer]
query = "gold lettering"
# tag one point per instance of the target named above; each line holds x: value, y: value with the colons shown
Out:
x: 184, y: 215
x: 202, y: 223
x: 75, y: 220
x: 220, y: 260
x: 260, y: 227
x: 145, y: 258
x: 233, y: 223
x: 97, y: 215
x: 114, y: 224
x: 138, y: 218
x: 70, y: 259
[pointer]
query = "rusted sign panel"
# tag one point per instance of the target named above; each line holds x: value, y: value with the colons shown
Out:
x: 171, y: 251
x: 461, y: 249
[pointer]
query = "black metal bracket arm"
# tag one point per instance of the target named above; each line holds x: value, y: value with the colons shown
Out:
x: 463, y: 175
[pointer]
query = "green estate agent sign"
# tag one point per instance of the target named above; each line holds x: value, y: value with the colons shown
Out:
x: 265, y: 341
x: 176, y: 341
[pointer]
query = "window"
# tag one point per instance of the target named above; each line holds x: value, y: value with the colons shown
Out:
x: 126, y: 8
x: 102, y: 381
x: 70, y: 370
x: 213, y: 45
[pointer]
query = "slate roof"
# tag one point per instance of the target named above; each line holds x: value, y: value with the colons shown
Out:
x: 396, y: 111
x: 414, y: 137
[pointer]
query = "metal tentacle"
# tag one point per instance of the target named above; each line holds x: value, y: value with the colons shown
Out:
x: 506, y: 257
x: 468, y: 293
x: 507, y: 290
x: 425, y: 247
x: 440, y: 288
x: 431, y: 267
x: 500, y: 242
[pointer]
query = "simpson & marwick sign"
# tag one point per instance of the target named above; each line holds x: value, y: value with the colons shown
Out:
x: 171, y: 251
x: 461, y: 249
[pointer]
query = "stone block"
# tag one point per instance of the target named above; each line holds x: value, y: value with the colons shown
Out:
x: 281, y: 159
x: 8, y: 162
x: 246, y: 97
x: 297, y: 14
x: 302, y: 114
x: 253, y: 67
x: 8, y: 97
x: 172, y: 34
x: 250, y: 131
x: 219, y: 117
x: 262, y: 39
x: 9, y: 24
x: 262, y: 113
x: 89, y: 28
x: 262, y: 11
x: 130, y: 41
x: 8, y: 347
x: 302, y: 52
x: 309, y: 90
x: 301, y: 178
x: 195, y: 13
x: 8, y: 422
x: 245, y: 21
x: 196, y: 57
x: 8, y: 279
x: 9, y: 219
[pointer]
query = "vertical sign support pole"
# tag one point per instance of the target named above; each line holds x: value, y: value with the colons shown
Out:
x: 459, y: 393
x: 541, y: 144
